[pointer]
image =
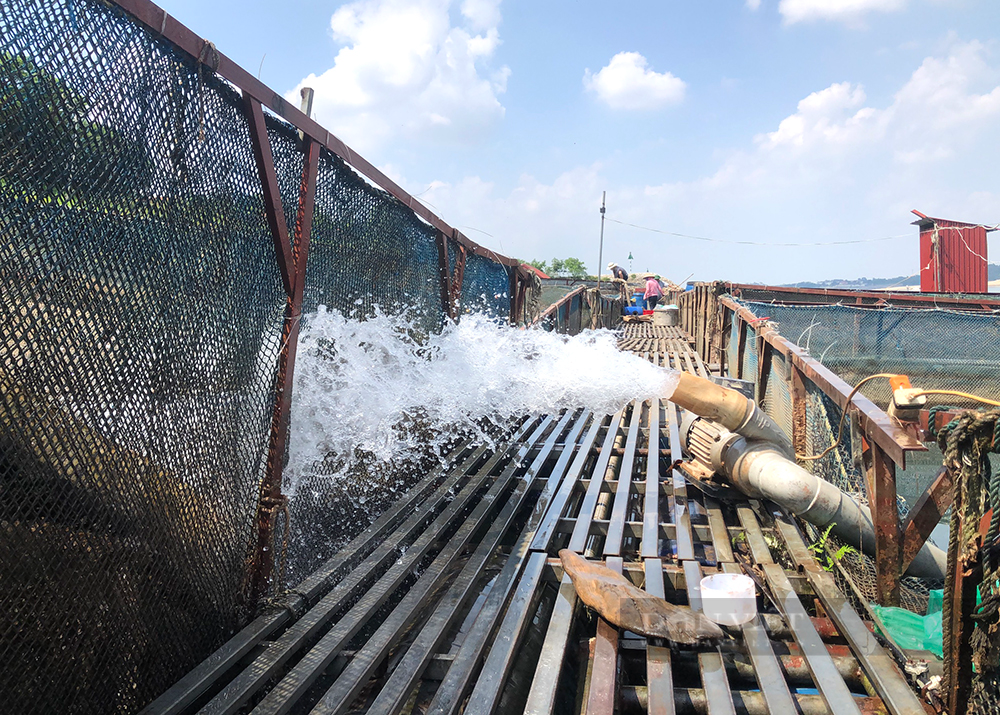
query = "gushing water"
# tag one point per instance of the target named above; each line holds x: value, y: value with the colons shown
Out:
x: 377, y: 387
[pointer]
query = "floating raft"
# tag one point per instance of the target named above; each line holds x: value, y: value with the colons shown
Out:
x: 454, y: 600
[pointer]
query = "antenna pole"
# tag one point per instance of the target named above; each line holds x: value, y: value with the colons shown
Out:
x: 600, y: 251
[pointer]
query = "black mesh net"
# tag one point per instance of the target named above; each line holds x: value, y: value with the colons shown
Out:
x: 141, y: 310
x: 936, y: 348
x: 141, y: 313
x: 484, y: 288
x: 368, y: 251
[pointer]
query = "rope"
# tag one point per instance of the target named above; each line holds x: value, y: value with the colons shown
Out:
x: 932, y: 414
x: 207, y: 49
x: 966, y: 443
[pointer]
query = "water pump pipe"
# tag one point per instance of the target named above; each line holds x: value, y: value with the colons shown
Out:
x: 761, y: 470
x: 730, y: 409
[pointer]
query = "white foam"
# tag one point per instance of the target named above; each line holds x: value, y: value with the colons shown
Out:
x: 356, y: 381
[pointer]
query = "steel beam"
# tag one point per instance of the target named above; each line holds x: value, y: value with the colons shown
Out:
x: 885, y: 515
x: 895, y: 440
x: 160, y: 24
x: 925, y: 515
x: 292, y: 265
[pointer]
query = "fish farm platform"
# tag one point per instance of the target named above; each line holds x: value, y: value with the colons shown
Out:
x: 455, y: 601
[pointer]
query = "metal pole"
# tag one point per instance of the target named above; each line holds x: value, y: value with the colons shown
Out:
x: 600, y: 251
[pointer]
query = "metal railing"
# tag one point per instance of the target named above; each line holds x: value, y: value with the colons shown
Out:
x: 166, y: 221
x: 715, y: 321
x: 580, y: 309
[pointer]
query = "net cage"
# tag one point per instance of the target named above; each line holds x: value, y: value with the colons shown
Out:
x: 936, y: 348
x: 141, y: 317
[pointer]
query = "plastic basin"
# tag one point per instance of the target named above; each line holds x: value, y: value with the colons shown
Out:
x: 729, y: 599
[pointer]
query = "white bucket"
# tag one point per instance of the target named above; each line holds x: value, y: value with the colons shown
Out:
x: 729, y: 599
x: 665, y: 315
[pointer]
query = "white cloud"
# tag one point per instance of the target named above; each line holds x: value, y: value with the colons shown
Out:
x: 482, y: 14
x: 931, y: 114
x: 840, y: 166
x: 628, y: 83
x: 850, y: 11
x: 404, y: 72
x: 826, y: 116
x: 753, y: 4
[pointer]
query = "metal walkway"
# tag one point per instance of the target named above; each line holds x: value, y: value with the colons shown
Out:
x: 454, y: 600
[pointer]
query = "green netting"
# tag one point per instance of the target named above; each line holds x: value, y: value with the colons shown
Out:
x: 141, y: 313
x: 936, y: 348
x: 484, y: 288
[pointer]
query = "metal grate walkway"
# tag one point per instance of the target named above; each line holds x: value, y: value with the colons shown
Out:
x: 455, y: 601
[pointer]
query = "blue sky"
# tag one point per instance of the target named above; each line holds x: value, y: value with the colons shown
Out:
x: 770, y: 121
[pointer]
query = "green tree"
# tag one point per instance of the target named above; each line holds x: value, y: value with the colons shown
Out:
x: 558, y: 267
x: 575, y: 268
x: 48, y: 136
x: 540, y: 265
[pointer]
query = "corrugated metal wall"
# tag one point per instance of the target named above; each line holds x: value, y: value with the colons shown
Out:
x: 961, y: 254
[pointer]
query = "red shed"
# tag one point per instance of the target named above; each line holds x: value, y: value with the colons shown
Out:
x: 952, y: 255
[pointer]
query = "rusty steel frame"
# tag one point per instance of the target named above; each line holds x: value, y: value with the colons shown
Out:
x: 875, y: 423
x: 925, y: 515
x: 888, y: 442
x: 159, y: 23
x: 292, y: 260
x: 554, y: 308
x: 857, y: 298
x: 271, y: 500
x: 444, y: 275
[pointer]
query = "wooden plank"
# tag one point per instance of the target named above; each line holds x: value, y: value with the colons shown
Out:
x: 824, y: 671
x: 650, y: 545
x: 619, y: 510
x: 542, y: 695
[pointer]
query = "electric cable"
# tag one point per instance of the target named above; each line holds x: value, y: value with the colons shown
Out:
x: 843, y: 416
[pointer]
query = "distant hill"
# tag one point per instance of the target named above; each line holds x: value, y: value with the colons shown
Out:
x: 993, y: 274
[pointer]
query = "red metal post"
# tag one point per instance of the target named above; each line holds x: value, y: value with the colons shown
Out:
x: 457, y: 278
x: 925, y: 515
x: 765, y: 354
x: 800, y: 424
x: 269, y: 183
x: 741, y: 346
x: 271, y: 500
x: 160, y: 24
x: 885, y: 514
x: 725, y: 332
x: 444, y: 275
